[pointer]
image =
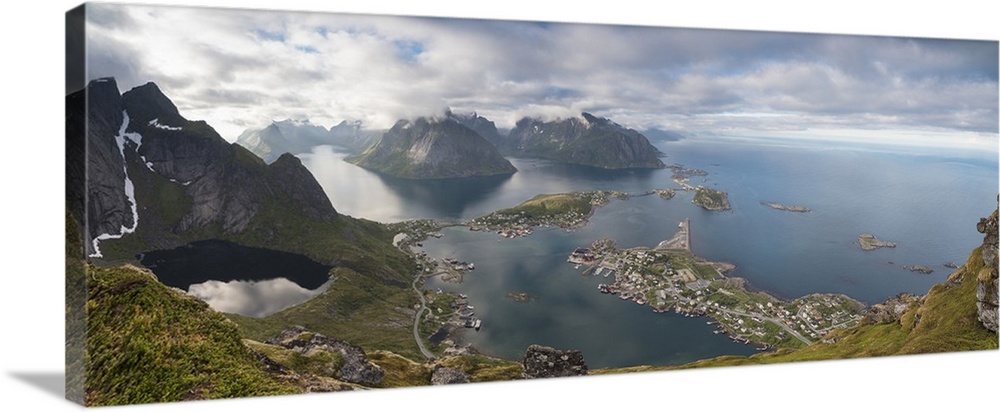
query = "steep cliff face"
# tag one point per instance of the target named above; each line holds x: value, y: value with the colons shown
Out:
x: 93, y: 120
x: 150, y: 169
x: 433, y: 149
x: 588, y: 140
x: 986, y: 279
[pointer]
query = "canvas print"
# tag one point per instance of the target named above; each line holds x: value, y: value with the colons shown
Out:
x: 268, y: 202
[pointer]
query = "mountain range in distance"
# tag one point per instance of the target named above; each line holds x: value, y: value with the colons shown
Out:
x: 450, y: 151
x: 430, y: 148
x: 300, y: 136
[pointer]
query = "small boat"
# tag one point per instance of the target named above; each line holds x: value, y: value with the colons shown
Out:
x: 477, y: 324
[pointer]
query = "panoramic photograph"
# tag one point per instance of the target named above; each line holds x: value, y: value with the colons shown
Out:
x: 268, y: 202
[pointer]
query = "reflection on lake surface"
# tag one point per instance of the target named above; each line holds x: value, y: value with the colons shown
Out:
x: 233, y: 278
x: 253, y: 298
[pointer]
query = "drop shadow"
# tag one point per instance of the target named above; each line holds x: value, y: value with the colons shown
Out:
x: 54, y: 383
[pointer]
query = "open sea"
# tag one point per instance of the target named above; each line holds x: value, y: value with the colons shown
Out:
x: 926, y: 200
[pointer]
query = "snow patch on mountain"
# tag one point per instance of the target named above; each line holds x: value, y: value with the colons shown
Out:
x: 156, y: 123
x: 120, y: 139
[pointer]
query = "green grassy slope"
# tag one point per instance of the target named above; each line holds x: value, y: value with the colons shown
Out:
x: 355, y: 308
x: 551, y: 205
x: 149, y: 343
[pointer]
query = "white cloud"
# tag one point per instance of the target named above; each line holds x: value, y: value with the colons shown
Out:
x: 253, y: 298
x: 240, y: 68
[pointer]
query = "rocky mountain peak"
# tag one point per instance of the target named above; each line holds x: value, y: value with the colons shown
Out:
x: 152, y: 173
x: 433, y: 149
x: 587, y: 140
x: 591, y: 118
x: 103, y: 90
x: 147, y: 102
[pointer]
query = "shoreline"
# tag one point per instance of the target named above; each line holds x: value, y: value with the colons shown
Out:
x: 677, y: 279
x: 698, y: 287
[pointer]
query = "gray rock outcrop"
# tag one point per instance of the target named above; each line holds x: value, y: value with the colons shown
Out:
x: 987, y: 284
x: 545, y: 362
x: 355, y: 368
x: 891, y: 310
x: 446, y: 376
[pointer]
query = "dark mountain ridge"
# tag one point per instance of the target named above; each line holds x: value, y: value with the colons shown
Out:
x: 148, y: 165
x: 588, y: 140
x: 433, y: 149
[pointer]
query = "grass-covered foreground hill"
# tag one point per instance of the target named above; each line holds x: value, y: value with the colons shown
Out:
x: 149, y: 343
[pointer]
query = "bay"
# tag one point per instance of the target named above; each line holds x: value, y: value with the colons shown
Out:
x: 926, y: 200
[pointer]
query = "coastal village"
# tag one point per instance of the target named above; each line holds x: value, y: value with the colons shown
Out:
x: 670, y: 277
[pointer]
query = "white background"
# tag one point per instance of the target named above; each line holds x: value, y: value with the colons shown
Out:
x: 31, y: 140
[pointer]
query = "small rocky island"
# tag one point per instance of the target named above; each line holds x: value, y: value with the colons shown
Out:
x: 919, y: 269
x: 786, y: 208
x: 711, y: 199
x: 870, y: 242
x: 665, y: 193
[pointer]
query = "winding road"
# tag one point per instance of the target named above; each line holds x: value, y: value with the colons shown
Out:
x: 416, y: 319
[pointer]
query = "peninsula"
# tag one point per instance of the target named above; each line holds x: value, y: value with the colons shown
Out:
x: 670, y: 277
x: 563, y: 210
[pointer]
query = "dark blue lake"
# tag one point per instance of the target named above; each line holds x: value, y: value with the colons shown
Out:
x: 926, y: 200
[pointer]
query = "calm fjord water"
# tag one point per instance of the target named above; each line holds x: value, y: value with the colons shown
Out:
x: 926, y: 202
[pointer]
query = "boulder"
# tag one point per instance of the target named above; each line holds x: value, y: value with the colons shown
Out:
x: 545, y: 362
x: 446, y: 376
x: 355, y: 369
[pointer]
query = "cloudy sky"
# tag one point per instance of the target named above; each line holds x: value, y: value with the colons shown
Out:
x: 239, y: 69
